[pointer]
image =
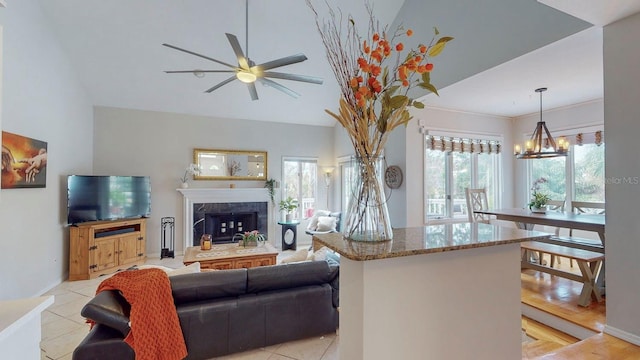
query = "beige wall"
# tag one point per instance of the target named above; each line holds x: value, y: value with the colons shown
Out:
x: 160, y: 145
x: 622, y: 128
x: 42, y: 99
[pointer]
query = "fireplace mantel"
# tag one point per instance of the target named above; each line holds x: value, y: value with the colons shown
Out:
x: 220, y: 195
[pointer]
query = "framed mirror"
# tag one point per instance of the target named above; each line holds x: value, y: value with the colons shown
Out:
x: 230, y: 164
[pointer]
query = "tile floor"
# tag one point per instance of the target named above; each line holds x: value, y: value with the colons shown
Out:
x: 63, y: 328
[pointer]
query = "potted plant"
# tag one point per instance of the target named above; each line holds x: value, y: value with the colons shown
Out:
x: 288, y: 205
x: 251, y: 238
x: 192, y: 169
x: 270, y: 185
x: 539, y: 199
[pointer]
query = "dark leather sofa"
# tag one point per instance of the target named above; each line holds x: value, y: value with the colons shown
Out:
x: 228, y: 311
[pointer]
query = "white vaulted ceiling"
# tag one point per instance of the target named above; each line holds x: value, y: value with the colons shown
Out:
x: 503, y: 50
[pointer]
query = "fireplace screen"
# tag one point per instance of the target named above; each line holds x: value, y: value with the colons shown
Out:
x: 223, y: 227
x: 224, y: 220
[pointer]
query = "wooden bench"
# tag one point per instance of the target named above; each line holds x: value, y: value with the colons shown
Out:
x: 589, y: 263
x: 573, y: 242
x: 576, y: 243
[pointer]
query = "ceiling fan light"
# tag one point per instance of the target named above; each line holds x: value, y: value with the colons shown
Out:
x: 246, y: 77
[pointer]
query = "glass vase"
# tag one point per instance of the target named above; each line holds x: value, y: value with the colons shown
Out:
x: 367, y: 217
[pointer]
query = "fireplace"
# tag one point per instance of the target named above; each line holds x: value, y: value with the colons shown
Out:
x: 210, y: 211
x: 224, y: 220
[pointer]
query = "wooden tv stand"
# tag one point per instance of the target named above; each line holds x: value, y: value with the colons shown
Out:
x: 103, y: 247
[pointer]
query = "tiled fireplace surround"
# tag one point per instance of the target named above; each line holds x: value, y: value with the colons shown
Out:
x: 224, y: 201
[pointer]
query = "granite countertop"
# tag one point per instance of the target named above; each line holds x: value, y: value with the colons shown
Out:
x: 427, y: 240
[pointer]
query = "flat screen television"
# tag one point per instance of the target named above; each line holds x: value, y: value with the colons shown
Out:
x: 95, y: 198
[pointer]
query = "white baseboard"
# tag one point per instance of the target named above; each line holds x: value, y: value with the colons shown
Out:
x: 621, y: 334
x: 53, y: 284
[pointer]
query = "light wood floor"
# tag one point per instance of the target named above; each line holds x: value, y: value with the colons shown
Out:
x: 559, y: 297
x: 546, y: 340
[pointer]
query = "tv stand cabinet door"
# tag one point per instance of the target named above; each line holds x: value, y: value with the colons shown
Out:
x: 129, y: 249
x: 104, y: 254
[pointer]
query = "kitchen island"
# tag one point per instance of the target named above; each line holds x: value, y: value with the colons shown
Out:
x: 436, y: 292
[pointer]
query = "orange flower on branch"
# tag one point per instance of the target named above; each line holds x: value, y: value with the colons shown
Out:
x: 375, y: 74
x: 377, y: 56
x: 375, y: 84
x: 375, y: 70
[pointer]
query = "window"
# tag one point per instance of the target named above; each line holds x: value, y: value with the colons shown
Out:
x: 554, y: 171
x: 299, y: 181
x: 346, y: 181
x: 453, y: 164
x: 577, y: 177
x: 588, y: 179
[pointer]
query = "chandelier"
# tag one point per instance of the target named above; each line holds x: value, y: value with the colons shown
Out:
x: 539, y: 147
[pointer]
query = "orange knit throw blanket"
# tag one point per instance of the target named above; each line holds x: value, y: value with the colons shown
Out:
x: 155, y: 329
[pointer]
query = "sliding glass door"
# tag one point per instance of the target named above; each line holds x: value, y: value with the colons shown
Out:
x: 447, y: 174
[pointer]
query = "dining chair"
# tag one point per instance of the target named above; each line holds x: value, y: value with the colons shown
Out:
x: 476, y: 201
x: 583, y: 207
x: 587, y: 207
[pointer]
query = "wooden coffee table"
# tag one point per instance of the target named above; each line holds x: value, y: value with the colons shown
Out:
x: 231, y: 256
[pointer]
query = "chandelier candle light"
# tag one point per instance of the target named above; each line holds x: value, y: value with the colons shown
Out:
x: 374, y: 73
x: 538, y: 147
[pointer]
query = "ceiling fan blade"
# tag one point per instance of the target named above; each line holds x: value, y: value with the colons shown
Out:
x: 235, y: 45
x: 199, y: 55
x: 225, y: 82
x: 294, y: 77
x: 198, y: 71
x: 280, y: 62
x: 252, y: 91
x: 282, y: 88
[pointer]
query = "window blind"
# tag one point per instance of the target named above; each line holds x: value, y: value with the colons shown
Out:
x: 463, y: 145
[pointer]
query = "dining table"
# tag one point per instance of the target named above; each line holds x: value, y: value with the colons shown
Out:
x: 526, y: 219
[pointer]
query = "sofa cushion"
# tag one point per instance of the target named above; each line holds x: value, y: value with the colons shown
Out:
x: 326, y: 223
x: 208, y: 285
x: 313, y: 223
x: 298, y: 255
x: 275, y: 277
x: 298, y: 313
x: 205, y: 326
x: 109, y: 308
x: 189, y: 269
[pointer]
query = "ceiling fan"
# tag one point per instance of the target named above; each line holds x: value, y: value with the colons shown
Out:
x: 247, y: 71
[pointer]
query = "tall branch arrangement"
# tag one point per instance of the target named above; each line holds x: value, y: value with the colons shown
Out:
x: 375, y: 75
